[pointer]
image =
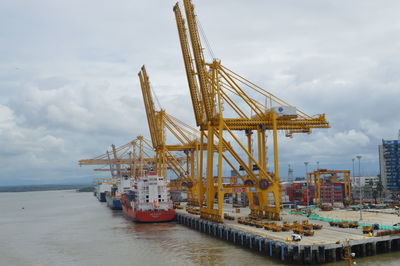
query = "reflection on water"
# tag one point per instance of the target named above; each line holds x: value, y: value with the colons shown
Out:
x: 69, y: 228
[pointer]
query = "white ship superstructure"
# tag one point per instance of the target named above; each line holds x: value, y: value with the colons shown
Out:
x: 151, y: 193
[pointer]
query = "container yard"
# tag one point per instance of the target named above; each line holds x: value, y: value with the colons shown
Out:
x: 306, y: 221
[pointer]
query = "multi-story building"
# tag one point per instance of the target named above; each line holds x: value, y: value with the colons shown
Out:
x: 389, y: 161
x: 364, y: 180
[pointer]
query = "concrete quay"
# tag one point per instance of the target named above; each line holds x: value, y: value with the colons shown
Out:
x: 327, y: 245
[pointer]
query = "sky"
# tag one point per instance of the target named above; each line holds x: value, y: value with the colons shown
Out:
x: 69, y: 86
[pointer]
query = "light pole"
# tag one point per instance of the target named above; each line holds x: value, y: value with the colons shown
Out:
x: 317, y: 165
x: 306, y: 164
x: 353, y: 170
x: 359, y: 182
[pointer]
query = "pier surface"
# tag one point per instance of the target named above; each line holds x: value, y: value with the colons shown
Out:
x: 325, y: 246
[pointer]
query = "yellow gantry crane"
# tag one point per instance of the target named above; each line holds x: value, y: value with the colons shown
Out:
x: 188, y: 137
x: 314, y: 179
x: 133, y: 156
x: 225, y: 102
x: 111, y: 181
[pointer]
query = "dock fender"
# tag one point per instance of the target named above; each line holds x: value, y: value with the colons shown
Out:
x: 247, y: 240
x: 262, y: 243
x: 220, y: 231
x: 234, y: 235
x: 270, y: 245
x: 283, y: 247
x: 307, y: 255
x: 296, y: 255
x: 321, y: 254
x: 257, y: 241
x: 266, y: 245
x: 227, y: 233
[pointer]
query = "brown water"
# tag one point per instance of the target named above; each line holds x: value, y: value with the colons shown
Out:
x: 69, y: 228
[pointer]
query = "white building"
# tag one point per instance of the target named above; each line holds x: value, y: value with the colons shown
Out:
x: 355, y: 181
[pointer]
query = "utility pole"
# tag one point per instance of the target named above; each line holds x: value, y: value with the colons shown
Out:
x: 353, y: 181
x: 308, y: 201
x: 359, y: 183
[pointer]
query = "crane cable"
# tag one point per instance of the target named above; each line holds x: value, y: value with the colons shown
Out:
x: 155, y: 96
x: 203, y: 34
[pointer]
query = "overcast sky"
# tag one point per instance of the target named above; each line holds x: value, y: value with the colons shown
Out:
x: 69, y: 86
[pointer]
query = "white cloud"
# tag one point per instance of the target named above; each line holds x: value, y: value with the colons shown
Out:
x: 6, y: 118
x: 69, y: 86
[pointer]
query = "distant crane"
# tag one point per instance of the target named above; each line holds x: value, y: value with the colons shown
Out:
x: 314, y: 179
x: 128, y: 158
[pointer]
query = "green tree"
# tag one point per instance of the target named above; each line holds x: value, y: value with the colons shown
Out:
x: 379, y: 188
x: 375, y: 195
x: 370, y: 183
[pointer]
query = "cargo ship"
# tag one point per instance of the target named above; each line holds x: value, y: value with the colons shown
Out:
x: 100, y: 191
x: 113, y: 197
x: 148, y: 200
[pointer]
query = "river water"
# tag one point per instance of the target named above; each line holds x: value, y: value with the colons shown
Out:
x: 69, y: 228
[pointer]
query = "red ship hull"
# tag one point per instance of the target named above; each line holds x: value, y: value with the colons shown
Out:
x: 152, y: 216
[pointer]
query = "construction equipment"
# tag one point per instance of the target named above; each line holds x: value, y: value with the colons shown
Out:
x: 228, y: 217
x: 367, y: 229
x: 331, y: 176
x: 225, y: 102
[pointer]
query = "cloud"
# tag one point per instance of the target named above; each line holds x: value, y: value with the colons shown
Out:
x: 69, y: 86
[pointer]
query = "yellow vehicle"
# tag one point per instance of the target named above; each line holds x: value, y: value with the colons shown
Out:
x: 367, y: 229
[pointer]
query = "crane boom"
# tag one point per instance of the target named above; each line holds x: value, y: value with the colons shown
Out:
x: 189, y: 67
x: 149, y: 106
x: 198, y: 58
